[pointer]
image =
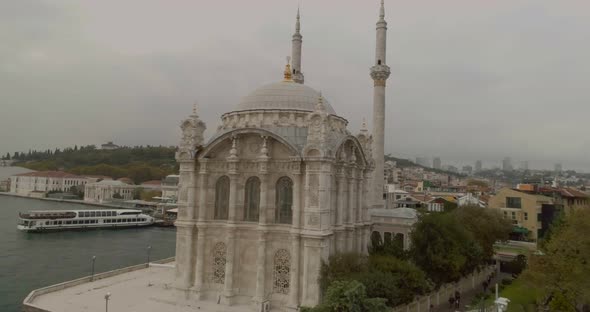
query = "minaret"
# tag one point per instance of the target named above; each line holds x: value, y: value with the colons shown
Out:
x: 379, y: 72
x: 296, y: 52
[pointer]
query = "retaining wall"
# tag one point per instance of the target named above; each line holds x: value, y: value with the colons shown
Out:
x: 470, y: 282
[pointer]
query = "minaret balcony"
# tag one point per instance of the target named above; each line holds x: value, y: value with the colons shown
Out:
x: 380, y: 72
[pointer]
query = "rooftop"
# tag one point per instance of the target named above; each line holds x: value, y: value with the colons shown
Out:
x: 138, y: 289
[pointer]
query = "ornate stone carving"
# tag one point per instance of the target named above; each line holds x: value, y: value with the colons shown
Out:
x: 281, y: 271
x: 219, y: 260
x: 380, y: 73
x: 192, y: 139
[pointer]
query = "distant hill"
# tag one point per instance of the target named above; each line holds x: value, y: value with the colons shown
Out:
x: 138, y: 163
x: 406, y: 163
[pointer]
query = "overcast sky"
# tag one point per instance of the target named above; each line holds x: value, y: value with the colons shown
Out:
x: 471, y: 79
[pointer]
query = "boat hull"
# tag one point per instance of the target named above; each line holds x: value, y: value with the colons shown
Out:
x: 81, y: 227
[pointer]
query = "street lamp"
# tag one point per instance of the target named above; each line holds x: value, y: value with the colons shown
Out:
x: 93, y: 261
x: 149, y: 249
x: 106, y: 301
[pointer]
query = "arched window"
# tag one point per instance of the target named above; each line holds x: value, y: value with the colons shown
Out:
x: 252, y: 199
x: 219, y: 260
x: 281, y: 272
x: 221, y: 198
x: 284, y: 202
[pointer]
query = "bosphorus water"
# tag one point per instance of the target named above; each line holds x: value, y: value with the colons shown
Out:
x: 33, y: 260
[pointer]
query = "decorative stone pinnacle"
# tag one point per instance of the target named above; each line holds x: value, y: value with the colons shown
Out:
x: 320, y: 106
x: 195, y: 110
x: 364, y: 128
x: 382, y: 10
x: 233, y: 152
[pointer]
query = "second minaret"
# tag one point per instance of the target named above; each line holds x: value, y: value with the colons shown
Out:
x: 379, y: 73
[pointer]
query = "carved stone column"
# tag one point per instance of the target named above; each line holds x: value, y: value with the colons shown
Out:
x: 260, y: 296
x: 340, y: 210
x: 232, y: 218
x: 203, y: 191
x: 293, y: 302
x: 200, y: 265
x: 228, y: 292
x: 296, y: 171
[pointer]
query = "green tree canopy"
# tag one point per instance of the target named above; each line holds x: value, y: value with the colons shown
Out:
x: 486, y: 226
x: 443, y: 248
x: 348, y: 296
x: 563, y: 267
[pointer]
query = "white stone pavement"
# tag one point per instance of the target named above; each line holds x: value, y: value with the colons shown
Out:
x: 145, y: 290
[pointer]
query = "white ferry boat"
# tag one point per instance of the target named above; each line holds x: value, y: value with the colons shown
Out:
x: 51, y: 220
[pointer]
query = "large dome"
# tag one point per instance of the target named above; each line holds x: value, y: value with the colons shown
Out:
x: 284, y: 95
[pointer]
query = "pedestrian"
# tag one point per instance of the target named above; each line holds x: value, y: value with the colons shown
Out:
x: 431, y: 308
x: 457, y: 299
x: 451, y: 301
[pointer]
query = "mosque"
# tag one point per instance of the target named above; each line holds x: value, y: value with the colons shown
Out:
x: 281, y: 186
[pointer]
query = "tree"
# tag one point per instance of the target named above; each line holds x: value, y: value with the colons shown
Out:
x: 349, y: 296
x: 443, y: 248
x: 396, y: 280
x: 561, y: 270
x: 486, y: 225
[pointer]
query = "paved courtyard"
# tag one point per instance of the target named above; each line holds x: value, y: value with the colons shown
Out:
x: 145, y: 290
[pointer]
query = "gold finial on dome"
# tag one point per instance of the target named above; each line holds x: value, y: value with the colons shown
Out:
x: 288, y: 74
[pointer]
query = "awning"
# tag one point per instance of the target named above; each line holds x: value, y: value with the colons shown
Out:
x: 520, y: 230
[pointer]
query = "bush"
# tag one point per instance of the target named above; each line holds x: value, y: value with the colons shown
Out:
x: 506, y: 281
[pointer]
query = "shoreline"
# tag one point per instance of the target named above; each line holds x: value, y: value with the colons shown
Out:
x: 70, y: 201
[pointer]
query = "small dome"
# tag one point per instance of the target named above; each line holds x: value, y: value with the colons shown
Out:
x: 284, y: 95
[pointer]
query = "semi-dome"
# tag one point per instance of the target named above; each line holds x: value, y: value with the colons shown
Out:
x: 284, y: 95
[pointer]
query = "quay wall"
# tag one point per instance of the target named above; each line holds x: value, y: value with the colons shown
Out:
x: 29, y: 306
x: 71, y: 201
x: 469, y: 282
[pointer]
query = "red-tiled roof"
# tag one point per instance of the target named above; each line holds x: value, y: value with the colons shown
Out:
x: 572, y: 192
x: 49, y: 174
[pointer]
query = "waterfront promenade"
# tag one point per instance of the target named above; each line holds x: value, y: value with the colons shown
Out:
x: 131, y: 289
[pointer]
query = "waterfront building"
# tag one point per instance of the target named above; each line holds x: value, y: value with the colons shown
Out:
x: 39, y: 183
x: 108, y: 190
x: 280, y: 187
x: 170, y: 187
x: 5, y: 185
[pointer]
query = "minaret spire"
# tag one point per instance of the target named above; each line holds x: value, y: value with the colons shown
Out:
x: 379, y: 73
x: 296, y: 43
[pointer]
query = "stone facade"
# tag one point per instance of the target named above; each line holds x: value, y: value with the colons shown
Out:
x: 256, y: 206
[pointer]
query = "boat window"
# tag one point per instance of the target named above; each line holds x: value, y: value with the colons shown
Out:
x: 68, y: 222
x: 103, y: 214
